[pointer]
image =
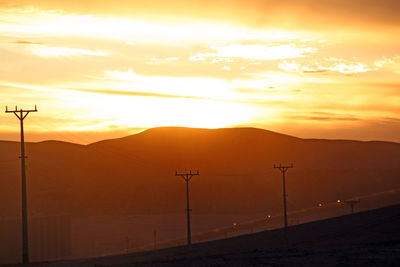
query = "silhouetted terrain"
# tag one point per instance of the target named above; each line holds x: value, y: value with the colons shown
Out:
x: 136, y: 174
x: 134, y: 178
x: 369, y: 238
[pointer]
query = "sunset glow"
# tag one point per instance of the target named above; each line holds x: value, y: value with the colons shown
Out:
x: 104, y: 70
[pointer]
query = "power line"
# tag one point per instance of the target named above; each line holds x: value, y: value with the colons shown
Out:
x: 187, y: 176
x: 21, y: 115
x: 284, y: 169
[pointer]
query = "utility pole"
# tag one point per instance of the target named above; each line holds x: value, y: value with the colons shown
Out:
x: 127, y: 244
x: 352, y: 203
x: 187, y: 176
x: 21, y: 115
x: 155, y: 239
x: 284, y: 169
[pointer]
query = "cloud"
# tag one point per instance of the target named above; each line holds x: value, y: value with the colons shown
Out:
x: 391, y: 64
x: 306, y: 69
x: 384, y: 61
x: 6, y: 21
x: 47, y: 51
x: 198, y: 57
x: 130, y: 75
x: 289, y: 66
x: 255, y: 100
x: 172, y: 59
x: 261, y: 52
x: 348, y: 68
x: 134, y: 93
x: 322, y: 118
x: 338, y: 66
x: 294, y: 13
x: 23, y: 42
x: 228, y: 53
x: 34, y: 21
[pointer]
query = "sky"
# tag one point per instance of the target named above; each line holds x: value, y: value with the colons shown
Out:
x: 105, y: 69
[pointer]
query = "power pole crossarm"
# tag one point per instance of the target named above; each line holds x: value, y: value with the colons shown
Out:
x: 21, y: 115
x: 187, y: 176
x: 284, y: 169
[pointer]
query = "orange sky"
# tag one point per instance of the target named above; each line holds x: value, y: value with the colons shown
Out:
x: 102, y: 69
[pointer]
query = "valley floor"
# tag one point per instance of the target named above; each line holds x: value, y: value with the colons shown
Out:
x: 370, y: 238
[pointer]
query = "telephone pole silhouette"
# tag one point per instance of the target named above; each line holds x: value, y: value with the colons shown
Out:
x: 284, y: 169
x: 155, y: 239
x: 352, y: 203
x: 187, y: 176
x: 21, y: 115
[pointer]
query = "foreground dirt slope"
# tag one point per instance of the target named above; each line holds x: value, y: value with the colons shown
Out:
x: 366, y: 238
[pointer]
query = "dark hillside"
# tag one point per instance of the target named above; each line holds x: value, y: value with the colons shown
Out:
x: 135, y: 174
x: 124, y: 189
x: 369, y: 238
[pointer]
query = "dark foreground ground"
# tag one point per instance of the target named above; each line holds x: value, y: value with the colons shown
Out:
x: 370, y: 238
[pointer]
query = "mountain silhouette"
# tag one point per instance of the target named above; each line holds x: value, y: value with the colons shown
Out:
x: 136, y: 174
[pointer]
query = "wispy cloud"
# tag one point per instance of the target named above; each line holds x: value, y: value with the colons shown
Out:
x: 337, y: 66
x: 7, y: 21
x: 306, y: 69
x: 47, y: 51
x: 289, y: 66
x: 311, y: 13
x: 251, y: 100
x: 134, y: 93
x: 322, y: 118
x: 257, y: 52
x: 172, y: 59
x: 24, y: 42
x: 130, y: 75
x: 351, y: 68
